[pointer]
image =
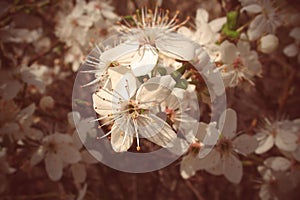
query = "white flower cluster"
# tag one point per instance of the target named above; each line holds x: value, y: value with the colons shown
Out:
x: 137, y: 95
x: 86, y: 22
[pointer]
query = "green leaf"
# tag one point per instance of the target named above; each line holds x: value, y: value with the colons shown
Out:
x: 176, y: 75
x: 182, y: 83
x: 142, y: 78
x: 232, y: 20
x: 182, y: 69
x: 230, y: 33
x: 162, y: 71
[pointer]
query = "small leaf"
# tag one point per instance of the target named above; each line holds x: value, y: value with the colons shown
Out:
x: 176, y: 75
x: 143, y: 78
x: 232, y: 20
x: 230, y: 33
x: 182, y: 83
x: 162, y: 71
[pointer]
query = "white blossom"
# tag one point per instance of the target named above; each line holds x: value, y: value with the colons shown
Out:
x: 222, y: 159
x: 268, y: 43
x: 20, y: 126
x: 130, y: 111
x: 293, y: 50
x: 20, y: 35
x: 239, y: 63
x: 267, y: 19
x: 72, y: 28
x: 206, y: 33
x: 153, y: 35
x: 57, y: 151
x: 276, y: 133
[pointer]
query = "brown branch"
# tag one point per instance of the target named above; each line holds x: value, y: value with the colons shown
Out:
x: 288, y: 83
x: 194, y: 190
x: 41, y: 55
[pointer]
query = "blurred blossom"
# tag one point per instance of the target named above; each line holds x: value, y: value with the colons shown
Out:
x: 73, y: 27
x: 57, y: 151
x: 239, y: 63
x: 206, y: 33
x: 46, y: 102
x: 292, y: 50
x: 20, y: 127
x: 267, y: 19
x: 279, y: 180
x: 19, y: 35
x: 268, y: 43
x: 278, y: 133
x: 222, y: 159
x: 74, y: 56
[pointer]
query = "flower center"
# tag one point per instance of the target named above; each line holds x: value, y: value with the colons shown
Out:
x: 237, y: 63
x: 194, y: 148
x: 51, y: 147
x: 224, y: 146
x: 133, y: 108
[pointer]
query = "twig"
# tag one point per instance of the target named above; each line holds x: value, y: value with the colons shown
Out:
x: 288, y: 83
x: 194, y: 190
x: 36, y: 58
x: 135, y: 4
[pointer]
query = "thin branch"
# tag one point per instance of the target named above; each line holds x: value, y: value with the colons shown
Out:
x: 288, y: 83
x: 43, y: 54
x: 194, y: 190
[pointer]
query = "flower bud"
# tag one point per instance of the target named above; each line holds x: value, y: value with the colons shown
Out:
x: 268, y: 44
x: 47, y: 102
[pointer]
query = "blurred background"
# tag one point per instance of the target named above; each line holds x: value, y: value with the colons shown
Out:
x: 43, y: 43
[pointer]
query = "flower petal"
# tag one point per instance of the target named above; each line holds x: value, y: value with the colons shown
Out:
x: 232, y: 168
x: 68, y: 153
x: 144, y: 60
x: 228, y: 52
x: 211, y: 138
x: 180, y: 146
x: 54, y: 166
x: 295, y: 33
x: 217, y: 24
x: 121, y: 140
x: 120, y: 52
x: 156, y: 130
x: 228, y: 123
x: 216, y: 170
x: 257, y: 27
x: 252, y: 8
x: 79, y: 172
x: 155, y: 89
x: 278, y: 163
x: 186, y: 167
x: 176, y: 46
x: 291, y: 50
x: 209, y: 161
x: 245, y: 144
x: 102, y: 102
x: 202, y: 15
x: 37, y: 157
x: 123, y: 82
x: 265, y: 144
x: 286, y: 141
x: 296, y: 154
